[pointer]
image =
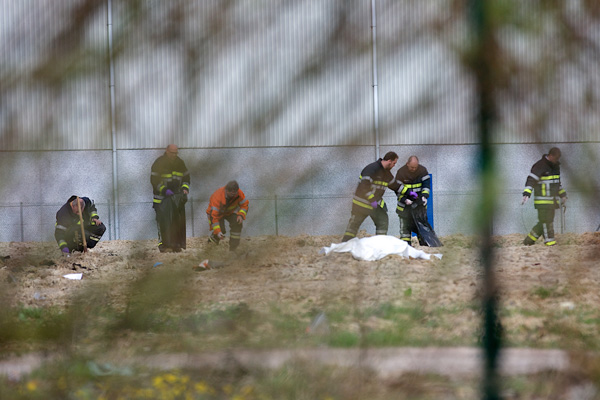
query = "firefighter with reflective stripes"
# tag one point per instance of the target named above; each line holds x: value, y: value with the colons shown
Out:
x: 368, y: 197
x: 170, y: 181
x: 227, y: 203
x: 68, y: 225
x: 544, y: 182
x: 413, y: 197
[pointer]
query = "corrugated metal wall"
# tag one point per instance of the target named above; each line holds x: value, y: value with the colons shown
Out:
x: 53, y: 76
x: 249, y: 74
x: 214, y: 73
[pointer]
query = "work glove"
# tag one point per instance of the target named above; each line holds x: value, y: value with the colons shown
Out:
x: 65, y: 250
x: 424, y: 199
x: 169, y: 192
x: 408, y: 202
x: 525, y: 198
x: 563, y: 200
x: 375, y: 204
x: 221, y: 236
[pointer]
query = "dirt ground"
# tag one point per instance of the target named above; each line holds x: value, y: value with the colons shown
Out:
x: 546, y: 293
x: 270, y: 269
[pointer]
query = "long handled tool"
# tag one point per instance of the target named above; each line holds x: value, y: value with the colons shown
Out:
x: 563, y: 209
x: 81, y: 223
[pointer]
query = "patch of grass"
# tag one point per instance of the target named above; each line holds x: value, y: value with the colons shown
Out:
x: 33, y: 324
x: 545, y: 292
x: 344, y: 339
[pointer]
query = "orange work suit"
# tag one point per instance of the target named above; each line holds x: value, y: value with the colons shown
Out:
x: 220, y: 209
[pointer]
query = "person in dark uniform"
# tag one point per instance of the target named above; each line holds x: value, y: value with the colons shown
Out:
x: 417, y: 188
x: 68, y: 233
x: 544, y: 182
x: 367, y: 200
x: 170, y: 181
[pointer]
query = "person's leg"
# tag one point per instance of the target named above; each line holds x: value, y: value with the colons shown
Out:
x: 536, y: 231
x: 547, y: 220
x: 405, y: 228
x: 163, y: 245
x: 93, y: 235
x: 380, y: 218
x: 236, y: 232
x: 352, y: 229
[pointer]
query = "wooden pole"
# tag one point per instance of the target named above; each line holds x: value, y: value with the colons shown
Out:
x: 81, y: 223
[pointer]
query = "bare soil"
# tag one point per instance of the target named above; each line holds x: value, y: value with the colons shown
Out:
x: 270, y: 269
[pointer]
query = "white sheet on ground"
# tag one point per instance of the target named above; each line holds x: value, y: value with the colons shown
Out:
x: 376, y: 247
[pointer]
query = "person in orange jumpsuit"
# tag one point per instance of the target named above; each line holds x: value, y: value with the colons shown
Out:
x: 227, y: 203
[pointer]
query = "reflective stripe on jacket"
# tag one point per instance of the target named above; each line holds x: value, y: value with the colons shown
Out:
x: 372, y: 182
x: 544, y: 182
x: 418, y: 182
x: 219, y: 206
x: 166, y: 174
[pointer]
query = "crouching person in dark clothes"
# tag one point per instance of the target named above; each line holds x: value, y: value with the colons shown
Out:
x: 68, y: 225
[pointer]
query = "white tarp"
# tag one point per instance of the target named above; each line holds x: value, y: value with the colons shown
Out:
x: 376, y: 247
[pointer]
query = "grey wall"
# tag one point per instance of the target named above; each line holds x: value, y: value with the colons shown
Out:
x: 313, y: 186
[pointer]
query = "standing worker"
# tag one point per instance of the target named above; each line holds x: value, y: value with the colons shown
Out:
x: 544, y: 180
x: 227, y: 203
x: 68, y: 225
x: 170, y: 180
x: 367, y: 200
x: 413, y: 199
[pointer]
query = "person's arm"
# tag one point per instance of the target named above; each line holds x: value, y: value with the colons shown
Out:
x: 243, y: 205
x: 214, y: 214
x: 94, y: 217
x: 185, y: 182
x: 156, y: 180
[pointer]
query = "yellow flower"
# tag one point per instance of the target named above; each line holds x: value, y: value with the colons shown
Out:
x: 227, y: 389
x: 32, y: 386
x: 171, y: 378
x: 157, y: 382
x: 201, y: 387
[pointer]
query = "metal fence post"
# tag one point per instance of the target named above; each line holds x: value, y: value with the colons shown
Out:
x: 109, y: 228
x: 192, y: 210
x: 22, y: 222
x: 276, y: 218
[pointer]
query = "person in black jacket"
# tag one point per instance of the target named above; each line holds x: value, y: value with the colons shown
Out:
x: 544, y: 181
x: 170, y: 181
x: 367, y: 200
x: 417, y: 188
x: 68, y: 225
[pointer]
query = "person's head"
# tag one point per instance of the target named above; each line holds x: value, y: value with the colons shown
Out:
x: 554, y: 155
x: 412, y: 164
x: 389, y: 160
x: 172, y: 151
x: 75, y: 207
x: 231, y: 189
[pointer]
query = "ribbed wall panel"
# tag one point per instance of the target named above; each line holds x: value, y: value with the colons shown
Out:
x: 54, y: 81
x: 425, y: 94
x: 253, y: 74
x: 212, y: 73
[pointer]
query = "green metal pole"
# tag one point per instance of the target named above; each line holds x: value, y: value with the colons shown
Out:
x: 483, y: 64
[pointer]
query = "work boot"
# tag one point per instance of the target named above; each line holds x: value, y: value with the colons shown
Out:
x: 528, y: 241
x: 164, y: 249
